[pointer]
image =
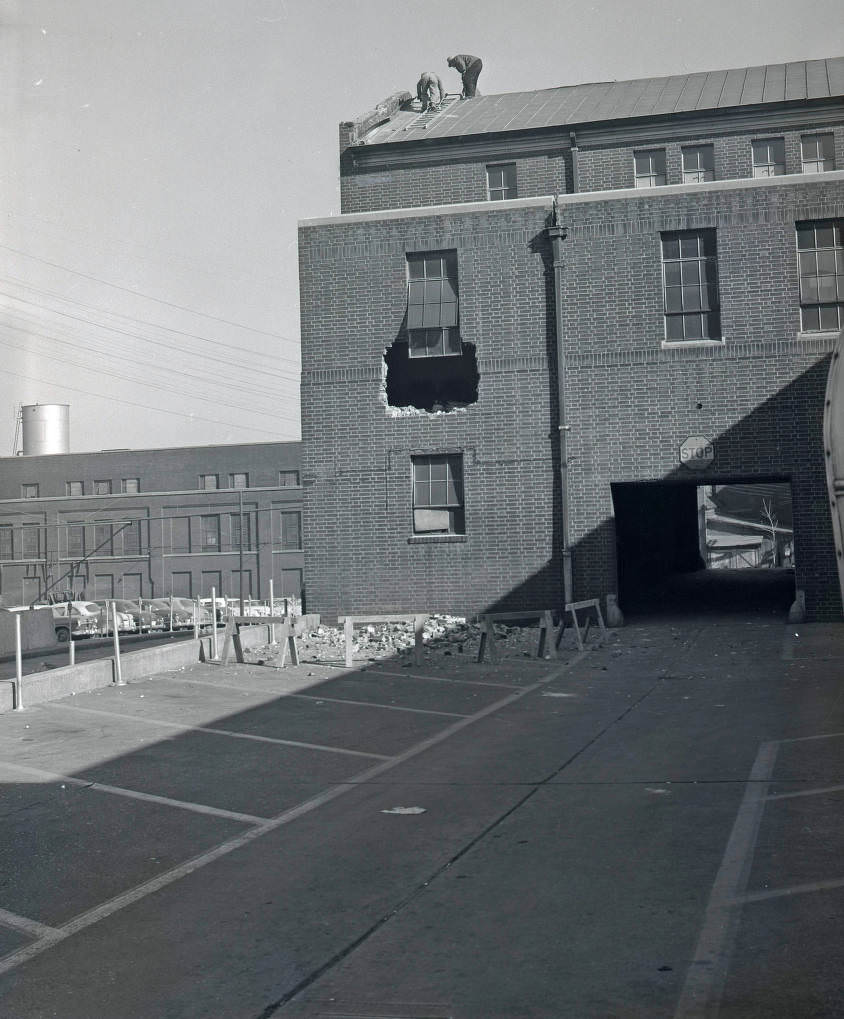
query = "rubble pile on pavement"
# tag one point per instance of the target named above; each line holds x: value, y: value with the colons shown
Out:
x: 444, y: 636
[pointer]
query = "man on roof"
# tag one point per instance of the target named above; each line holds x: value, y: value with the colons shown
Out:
x: 430, y: 90
x: 469, y: 68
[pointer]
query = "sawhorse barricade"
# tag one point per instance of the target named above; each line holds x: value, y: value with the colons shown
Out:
x: 349, y: 623
x: 287, y: 638
x: 577, y: 606
x: 546, y: 628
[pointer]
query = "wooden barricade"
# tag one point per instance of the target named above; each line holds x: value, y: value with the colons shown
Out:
x: 349, y: 623
x: 232, y: 642
x: 546, y: 629
x: 573, y: 608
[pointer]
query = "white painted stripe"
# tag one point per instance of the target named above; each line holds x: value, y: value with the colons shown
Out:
x: 446, y: 679
x: 807, y: 792
x: 777, y: 893
x: 27, y: 926
x: 127, y: 898
x: 806, y: 739
x: 707, y: 973
x: 133, y: 794
x: 221, y: 732
x: 370, y: 704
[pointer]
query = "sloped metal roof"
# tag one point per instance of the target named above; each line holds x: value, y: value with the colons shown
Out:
x: 618, y: 100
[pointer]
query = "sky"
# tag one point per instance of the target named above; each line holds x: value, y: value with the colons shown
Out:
x: 156, y: 155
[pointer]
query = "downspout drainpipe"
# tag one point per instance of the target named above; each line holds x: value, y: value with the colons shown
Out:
x: 557, y: 234
x: 573, y: 144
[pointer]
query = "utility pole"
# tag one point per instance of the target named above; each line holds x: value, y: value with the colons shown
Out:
x: 240, y: 501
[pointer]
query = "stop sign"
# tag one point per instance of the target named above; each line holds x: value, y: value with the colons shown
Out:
x: 697, y: 451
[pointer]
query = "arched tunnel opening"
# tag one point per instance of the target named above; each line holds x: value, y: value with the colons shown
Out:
x: 684, y: 547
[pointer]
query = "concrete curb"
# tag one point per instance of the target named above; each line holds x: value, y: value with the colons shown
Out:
x: 51, y: 685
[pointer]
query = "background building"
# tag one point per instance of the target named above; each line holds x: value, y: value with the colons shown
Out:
x: 543, y: 319
x: 152, y: 522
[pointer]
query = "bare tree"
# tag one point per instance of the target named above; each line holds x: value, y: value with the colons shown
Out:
x: 772, y: 522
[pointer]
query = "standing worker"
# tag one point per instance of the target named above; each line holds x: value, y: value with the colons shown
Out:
x: 430, y: 91
x: 469, y: 67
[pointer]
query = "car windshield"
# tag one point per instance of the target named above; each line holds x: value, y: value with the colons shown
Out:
x: 89, y: 606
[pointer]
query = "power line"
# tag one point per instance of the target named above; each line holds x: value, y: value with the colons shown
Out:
x: 202, y: 379
x: 141, y: 322
x: 148, y: 297
x: 142, y: 406
x: 150, y: 385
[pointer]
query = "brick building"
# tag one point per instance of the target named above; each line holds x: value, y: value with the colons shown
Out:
x: 152, y: 522
x: 543, y: 319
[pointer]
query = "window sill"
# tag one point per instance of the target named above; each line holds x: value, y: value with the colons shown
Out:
x: 434, y: 539
x: 817, y: 334
x: 674, y: 344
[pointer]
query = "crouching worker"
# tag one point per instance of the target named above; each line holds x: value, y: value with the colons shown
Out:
x: 469, y: 67
x: 430, y: 91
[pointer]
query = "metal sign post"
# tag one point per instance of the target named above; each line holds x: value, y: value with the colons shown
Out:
x: 118, y: 671
x: 18, y: 665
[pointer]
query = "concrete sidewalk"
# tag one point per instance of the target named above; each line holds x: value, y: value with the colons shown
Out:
x: 651, y: 828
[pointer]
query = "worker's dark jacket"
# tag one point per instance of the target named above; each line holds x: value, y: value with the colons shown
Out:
x: 463, y: 61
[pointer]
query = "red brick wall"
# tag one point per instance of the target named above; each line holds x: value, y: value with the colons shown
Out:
x: 630, y: 402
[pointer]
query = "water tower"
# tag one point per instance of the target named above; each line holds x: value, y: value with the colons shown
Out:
x: 45, y: 429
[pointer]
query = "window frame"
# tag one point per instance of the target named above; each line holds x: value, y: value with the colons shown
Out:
x: 426, y: 338
x: 652, y: 174
x: 508, y: 186
x: 7, y: 553
x: 124, y: 486
x: 442, y: 502
x: 283, y: 484
x: 834, y: 261
x: 817, y: 163
x: 694, y: 272
x: 70, y: 485
x: 29, y: 549
x: 204, y: 544
x: 239, y: 474
x: 30, y: 490
x: 282, y: 547
x: 701, y: 173
x: 105, y: 483
x: 778, y: 142
x: 234, y: 527
x: 203, y: 483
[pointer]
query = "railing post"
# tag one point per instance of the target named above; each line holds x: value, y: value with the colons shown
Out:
x: 72, y: 649
x: 18, y: 665
x: 171, y: 613
x: 196, y: 619
x: 214, y: 624
x: 118, y: 671
x: 272, y: 611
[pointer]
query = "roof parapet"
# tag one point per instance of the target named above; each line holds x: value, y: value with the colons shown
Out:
x: 352, y: 132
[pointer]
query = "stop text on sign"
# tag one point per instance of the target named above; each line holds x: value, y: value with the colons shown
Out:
x: 697, y: 451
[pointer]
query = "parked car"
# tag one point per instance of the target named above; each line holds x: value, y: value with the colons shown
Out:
x: 124, y: 620
x: 81, y: 623
x: 182, y: 609
x: 142, y: 619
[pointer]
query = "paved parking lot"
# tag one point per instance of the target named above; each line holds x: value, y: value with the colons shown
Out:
x: 648, y: 828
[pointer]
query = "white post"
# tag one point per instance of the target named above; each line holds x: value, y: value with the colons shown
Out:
x: 140, y: 620
x: 196, y: 619
x: 171, y: 613
x: 214, y: 654
x: 18, y: 664
x: 118, y: 672
x: 72, y: 649
x: 272, y: 610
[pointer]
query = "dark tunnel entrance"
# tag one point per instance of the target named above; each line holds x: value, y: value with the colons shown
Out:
x: 726, y: 546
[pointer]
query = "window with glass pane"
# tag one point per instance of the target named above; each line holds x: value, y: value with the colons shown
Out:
x: 76, y: 540
x: 29, y: 491
x: 73, y: 488
x: 131, y: 536
x: 698, y: 163
x: 238, y: 481
x: 288, y: 479
x: 235, y: 531
x: 102, y: 488
x: 130, y: 486
x: 690, y: 283
x: 209, y: 482
x: 438, y: 494
x: 820, y: 257
x: 817, y: 153
x: 209, y: 528
x: 501, y: 181
x: 649, y: 168
x: 31, y: 542
x: 291, y: 530
x: 104, y: 539
x: 432, y: 305
x: 769, y: 157
x: 7, y: 542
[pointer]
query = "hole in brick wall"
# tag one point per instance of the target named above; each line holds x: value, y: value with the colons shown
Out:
x: 431, y: 383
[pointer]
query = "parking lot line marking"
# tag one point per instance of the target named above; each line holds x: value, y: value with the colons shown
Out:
x: 447, y: 679
x: 806, y: 739
x: 777, y: 893
x: 23, y: 923
x: 132, y: 895
x: 133, y: 794
x: 808, y: 792
x: 369, y: 704
x: 707, y: 972
x: 223, y: 732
